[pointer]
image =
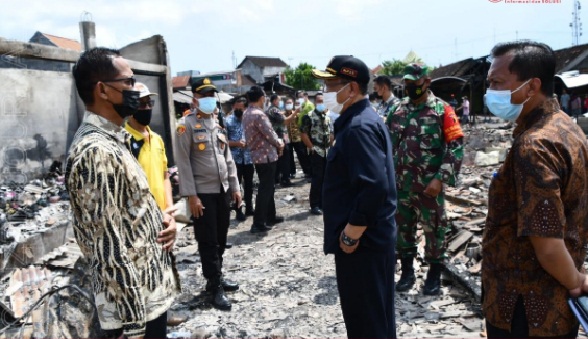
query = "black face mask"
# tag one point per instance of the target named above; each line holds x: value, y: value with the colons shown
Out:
x: 376, y: 95
x: 143, y: 116
x: 238, y: 113
x: 130, y: 103
x: 414, y: 91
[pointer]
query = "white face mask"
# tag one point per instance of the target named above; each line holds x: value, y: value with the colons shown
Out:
x: 331, y: 103
x: 301, y: 101
x: 499, y: 103
x: 289, y: 106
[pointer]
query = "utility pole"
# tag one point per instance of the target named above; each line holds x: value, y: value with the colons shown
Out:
x: 576, y: 23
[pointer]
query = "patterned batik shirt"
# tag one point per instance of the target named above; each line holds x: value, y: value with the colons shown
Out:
x: 260, y: 137
x: 428, y: 143
x: 317, y: 126
x: 116, y: 224
x: 234, y: 129
x: 293, y: 129
x: 541, y: 190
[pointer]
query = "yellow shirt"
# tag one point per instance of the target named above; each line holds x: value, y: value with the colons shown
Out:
x: 153, y: 161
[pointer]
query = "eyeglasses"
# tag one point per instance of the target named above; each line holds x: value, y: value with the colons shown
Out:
x: 130, y: 81
x: 145, y: 104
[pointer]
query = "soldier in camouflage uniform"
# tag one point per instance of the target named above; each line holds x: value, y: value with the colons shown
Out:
x: 427, y: 141
x: 316, y: 134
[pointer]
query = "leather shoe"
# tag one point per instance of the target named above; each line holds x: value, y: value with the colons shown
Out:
x: 228, y: 285
x: 276, y: 220
x: 241, y: 216
x: 316, y: 211
x: 174, y: 320
x: 258, y: 228
x: 249, y: 212
x: 220, y: 300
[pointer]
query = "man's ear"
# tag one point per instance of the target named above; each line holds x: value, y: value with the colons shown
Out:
x: 101, y: 89
x: 535, y: 85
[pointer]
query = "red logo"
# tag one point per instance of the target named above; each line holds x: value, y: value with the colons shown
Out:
x: 495, y: 1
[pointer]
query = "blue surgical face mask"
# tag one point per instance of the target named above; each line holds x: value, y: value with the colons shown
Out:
x: 498, y: 102
x: 207, y: 105
x: 320, y: 107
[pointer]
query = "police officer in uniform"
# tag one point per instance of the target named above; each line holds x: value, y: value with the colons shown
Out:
x: 209, y: 180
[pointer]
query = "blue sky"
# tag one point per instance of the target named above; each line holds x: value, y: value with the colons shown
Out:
x: 202, y: 35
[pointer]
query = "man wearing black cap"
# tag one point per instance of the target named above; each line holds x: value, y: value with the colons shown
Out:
x: 359, y: 202
x: 209, y: 180
x: 428, y: 150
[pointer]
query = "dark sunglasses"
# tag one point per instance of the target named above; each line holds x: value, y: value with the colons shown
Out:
x: 130, y: 81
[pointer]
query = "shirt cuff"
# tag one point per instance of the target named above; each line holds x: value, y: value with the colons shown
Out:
x: 357, y: 219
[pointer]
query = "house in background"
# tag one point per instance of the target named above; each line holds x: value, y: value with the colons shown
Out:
x: 12, y: 60
x: 262, y: 69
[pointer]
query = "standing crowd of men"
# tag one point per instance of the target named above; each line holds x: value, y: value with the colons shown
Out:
x: 375, y: 174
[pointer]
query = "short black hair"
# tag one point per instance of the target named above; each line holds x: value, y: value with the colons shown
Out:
x: 530, y: 60
x: 255, y: 93
x: 274, y: 97
x: 94, y: 65
x: 240, y: 99
x: 363, y: 88
x: 383, y: 80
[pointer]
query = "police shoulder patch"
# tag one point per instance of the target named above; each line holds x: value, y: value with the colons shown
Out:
x: 180, y: 129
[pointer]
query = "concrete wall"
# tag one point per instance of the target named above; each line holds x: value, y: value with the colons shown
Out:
x: 40, y: 110
x: 254, y: 71
x: 38, y: 116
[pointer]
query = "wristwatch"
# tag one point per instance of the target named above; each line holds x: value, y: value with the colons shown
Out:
x: 347, y: 240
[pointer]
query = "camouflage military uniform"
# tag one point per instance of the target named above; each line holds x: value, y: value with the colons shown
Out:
x: 317, y: 126
x: 424, y: 149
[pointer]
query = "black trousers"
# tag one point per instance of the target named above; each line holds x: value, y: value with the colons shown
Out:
x: 366, y: 287
x: 303, y: 158
x: 292, y: 161
x: 211, y: 232
x: 245, y: 176
x: 520, y: 326
x: 318, y: 174
x: 283, y: 166
x: 154, y: 329
x: 265, y: 206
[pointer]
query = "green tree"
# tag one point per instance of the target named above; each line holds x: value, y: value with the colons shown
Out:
x: 301, y: 77
x: 393, y: 68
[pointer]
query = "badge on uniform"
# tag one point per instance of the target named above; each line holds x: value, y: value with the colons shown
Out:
x: 198, y: 126
x: 201, y: 137
x: 181, y: 129
x: 201, y: 146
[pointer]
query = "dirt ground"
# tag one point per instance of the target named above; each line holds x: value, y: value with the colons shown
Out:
x: 288, y: 286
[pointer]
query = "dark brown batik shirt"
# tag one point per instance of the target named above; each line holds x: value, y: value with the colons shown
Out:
x: 541, y: 190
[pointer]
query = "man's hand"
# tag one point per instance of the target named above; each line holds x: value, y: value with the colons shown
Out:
x: 171, y: 210
x: 196, y: 207
x: 167, y: 237
x: 237, y: 198
x: 353, y: 232
x: 345, y: 248
x: 433, y: 188
x: 241, y: 144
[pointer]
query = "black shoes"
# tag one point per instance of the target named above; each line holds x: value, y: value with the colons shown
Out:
x: 258, y: 228
x: 276, y: 220
x: 249, y: 212
x: 217, y: 288
x: 316, y: 210
x: 227, y: 285
x: 433, y: 281
x: 220, y: 300
x: 407, y: 277
x: 240, y: 215
x: 406, y: 281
